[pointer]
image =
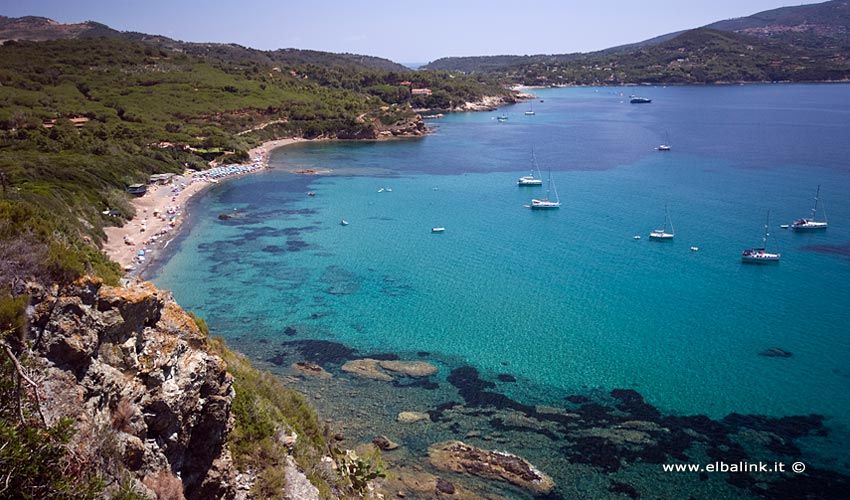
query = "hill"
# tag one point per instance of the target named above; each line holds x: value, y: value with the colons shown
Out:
x: 32, y: 28
x: 805, y: 43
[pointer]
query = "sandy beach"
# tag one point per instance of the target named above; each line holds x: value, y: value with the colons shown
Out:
x: 161, y: 210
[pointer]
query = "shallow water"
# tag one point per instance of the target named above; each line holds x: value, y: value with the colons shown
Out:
x: 565, y: 301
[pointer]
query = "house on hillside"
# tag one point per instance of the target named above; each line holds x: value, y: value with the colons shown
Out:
x: 420, y: 91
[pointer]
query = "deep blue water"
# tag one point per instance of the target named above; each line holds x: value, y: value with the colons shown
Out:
x: 565, y: 300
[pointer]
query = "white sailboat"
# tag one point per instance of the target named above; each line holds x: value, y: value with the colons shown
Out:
x: 662, y: 234
x: 811, y: 224
x: 761, y: 255
x: 666, y: 145
x: 530, y: 111
x: 530, y: 180
x: 547, y: 202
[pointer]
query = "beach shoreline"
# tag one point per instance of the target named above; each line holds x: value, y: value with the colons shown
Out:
x: 161, y: 211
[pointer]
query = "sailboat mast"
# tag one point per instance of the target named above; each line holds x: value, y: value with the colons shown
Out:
x: 815, y: 208
x: 766, y: 230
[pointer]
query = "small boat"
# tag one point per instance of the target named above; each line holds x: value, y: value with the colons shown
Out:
x: 761, y: 255
x: 530, y: 180
x: 343, y: 222
x: 694, y: 249
x: 389, y: 190
x: 783, y: 226
x: 636, y: 237
x: 380, y: 190
x: 662, y: 234
x: 639, y: 100
x: 811, y: 224
x: 666, y: 145
x: 437, y: 229
x: 530, y: 111
x: 547, y: 203
x: 502, y: 117
x: 311, y: 193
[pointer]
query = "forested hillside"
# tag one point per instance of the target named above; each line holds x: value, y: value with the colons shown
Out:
x: 82, y: 118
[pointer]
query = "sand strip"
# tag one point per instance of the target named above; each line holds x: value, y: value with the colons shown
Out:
x: 160, y: 211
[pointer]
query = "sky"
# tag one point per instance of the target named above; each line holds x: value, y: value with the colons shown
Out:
x: 405, y: 31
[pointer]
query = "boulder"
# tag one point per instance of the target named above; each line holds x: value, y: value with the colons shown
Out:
x: 367, y: 368
x: 307, y: 369
x: 414, y: 369
x: 457, y: 456
x: 409, y: 417
x: 384, y: 443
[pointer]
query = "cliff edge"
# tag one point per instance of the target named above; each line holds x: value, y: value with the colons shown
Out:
x: 146, y: 392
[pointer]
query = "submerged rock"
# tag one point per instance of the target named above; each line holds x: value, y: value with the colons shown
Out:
x: 384, y: 443
x: 410, y: 368
x: 307, y: 369
x: 457, y: 456
x: 367, y: 368
x: 775, y: 352
x: 408, y: 417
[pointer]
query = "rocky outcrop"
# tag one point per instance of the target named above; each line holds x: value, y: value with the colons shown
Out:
x: 487, y: 103
x: 367, y: 368
x: 374, y: 369
x: 409, y: 417
x: 415, y: 369
x: 457, y: 456
x: 408, y: 124
x: 139, y: 379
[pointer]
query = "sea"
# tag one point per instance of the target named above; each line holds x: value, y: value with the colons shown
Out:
x: 555, y: 331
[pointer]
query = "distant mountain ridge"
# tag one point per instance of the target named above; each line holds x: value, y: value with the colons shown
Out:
x: 34, y: 28
x: 803, y: 43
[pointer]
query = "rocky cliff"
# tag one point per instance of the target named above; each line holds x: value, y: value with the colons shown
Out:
x: 149, y: 397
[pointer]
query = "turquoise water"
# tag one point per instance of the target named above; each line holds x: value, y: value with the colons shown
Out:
x: 565, y: 300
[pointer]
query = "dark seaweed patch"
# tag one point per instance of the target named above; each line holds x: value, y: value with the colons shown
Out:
x: 437, y: 413
x: 293, y: 245
x: 290, y: 331
x: 840, y: 250
x: 273, y: 249
x: 579, y: 400
x: 474, y: 391
x: 277, y: 359
x: 421, y: 383
x: 506, y: 377
x: 626, y: 489
x: 633, y: 403
x: 321, y: 352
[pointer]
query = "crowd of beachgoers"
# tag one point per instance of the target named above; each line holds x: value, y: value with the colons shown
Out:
x: 161, y: 209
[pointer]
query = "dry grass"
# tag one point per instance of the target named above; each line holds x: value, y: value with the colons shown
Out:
x: 165, y: 485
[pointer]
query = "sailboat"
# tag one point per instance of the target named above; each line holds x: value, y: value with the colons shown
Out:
x: 662, y: 234
x: 546, y: 202
x: 530, y: 111
x: 761, y: 255
x: 530, y: 180
x: 666, y: 145
x: 810, y: 224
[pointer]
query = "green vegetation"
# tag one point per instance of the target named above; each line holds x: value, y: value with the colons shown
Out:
x: 694, y: 57
x: 82, y: 119
x: 35, y: 462
x: 272, y: 420
x: 807, y: 43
